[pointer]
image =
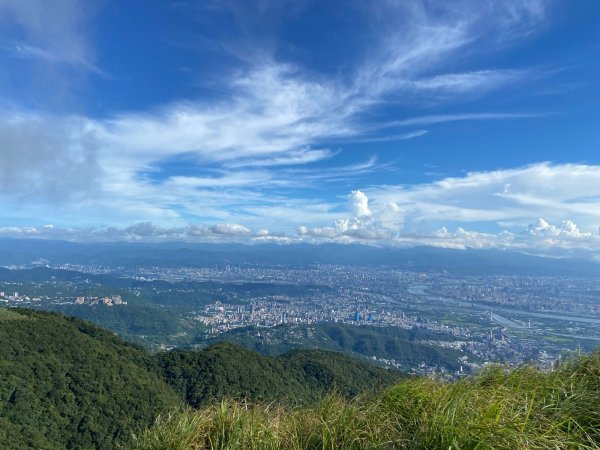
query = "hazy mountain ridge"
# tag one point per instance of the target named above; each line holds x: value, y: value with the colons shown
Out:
x: 183, y: 254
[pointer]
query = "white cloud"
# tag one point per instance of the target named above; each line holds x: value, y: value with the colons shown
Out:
x: 293, y: 157
x: 151, y: 232
x: 547, y: 240
x: 541, y: 238
x: 52, y: 31
x: 554, y: 191
x: 277, y: 115
x: 231, y: 229
x: 567, y: 228
x: 46, y: 160
x: 417, y: 36
x: 360, y: 227
x: 442, y: 118
x: 567, y: 195
x: 456, y: 84
x: 393, y: 137
x: 274, y: 115
x: 276, y: 112
x: 359, y: 203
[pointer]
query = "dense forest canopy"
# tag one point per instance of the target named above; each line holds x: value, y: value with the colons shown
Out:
x: 65, y: 383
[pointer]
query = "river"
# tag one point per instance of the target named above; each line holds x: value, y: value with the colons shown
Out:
x: 420, y: 289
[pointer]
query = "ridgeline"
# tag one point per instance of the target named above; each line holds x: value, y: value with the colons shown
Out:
x: 295, y: 378
x: 496, y: 409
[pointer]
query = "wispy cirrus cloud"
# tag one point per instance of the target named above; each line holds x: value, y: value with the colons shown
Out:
x: 274, y: 123
x: 393, y: 137
x: 291, y: 158
x: 50, y: 31
x: 443, y: 118
x: 252, y: 154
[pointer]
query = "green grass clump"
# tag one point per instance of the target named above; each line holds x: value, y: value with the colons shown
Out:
x: 332, y: 423
x: 523, y: 408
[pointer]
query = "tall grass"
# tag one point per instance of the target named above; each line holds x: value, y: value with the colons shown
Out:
x: 523, y: 408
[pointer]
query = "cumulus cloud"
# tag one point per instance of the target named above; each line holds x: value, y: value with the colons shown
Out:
x: 567, y: 195
x: 566, y: 228
x: 547, y: 240
x: 564, y: 240
x: 359, y: 203
x: 231, y: 229
x: 346, y: 230
x: 360, y: 227
x: 151, y: 232
x: 553, y: 191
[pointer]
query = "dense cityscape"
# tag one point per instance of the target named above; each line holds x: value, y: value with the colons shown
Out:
x: 508, y: 319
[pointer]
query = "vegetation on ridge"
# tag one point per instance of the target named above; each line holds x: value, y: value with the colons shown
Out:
x: 297, y: 377
x: 390, y: 343
x: 65, y: 383
x: 497, y: 409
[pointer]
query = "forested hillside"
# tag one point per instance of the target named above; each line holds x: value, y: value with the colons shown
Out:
x: 525, y: 408
x: 298, y: 377
x: 65, y: 383
x: 391, y: 343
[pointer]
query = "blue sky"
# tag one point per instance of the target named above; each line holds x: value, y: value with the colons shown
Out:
x: 457, y: 124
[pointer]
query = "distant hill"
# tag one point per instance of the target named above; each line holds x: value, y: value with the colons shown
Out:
x: 65, y: 383
x: 391, y: 343
x: 226, y: 370
x: 129, y: 322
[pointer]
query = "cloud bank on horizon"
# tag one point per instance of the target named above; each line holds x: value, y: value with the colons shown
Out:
x: 388, y: 123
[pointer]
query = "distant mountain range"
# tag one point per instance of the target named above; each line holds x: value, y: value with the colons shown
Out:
x: 180, y: 254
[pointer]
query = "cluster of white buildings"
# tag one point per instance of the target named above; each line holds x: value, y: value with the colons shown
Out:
x: 109, y: 300
x: 15, y: 297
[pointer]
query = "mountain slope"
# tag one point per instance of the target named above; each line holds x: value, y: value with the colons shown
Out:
x: 390, y: 343
x: 225, y: 370
x: 525, y: 408
x: 67, y: 383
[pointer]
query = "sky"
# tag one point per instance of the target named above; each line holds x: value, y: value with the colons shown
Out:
x: 464, y: 124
